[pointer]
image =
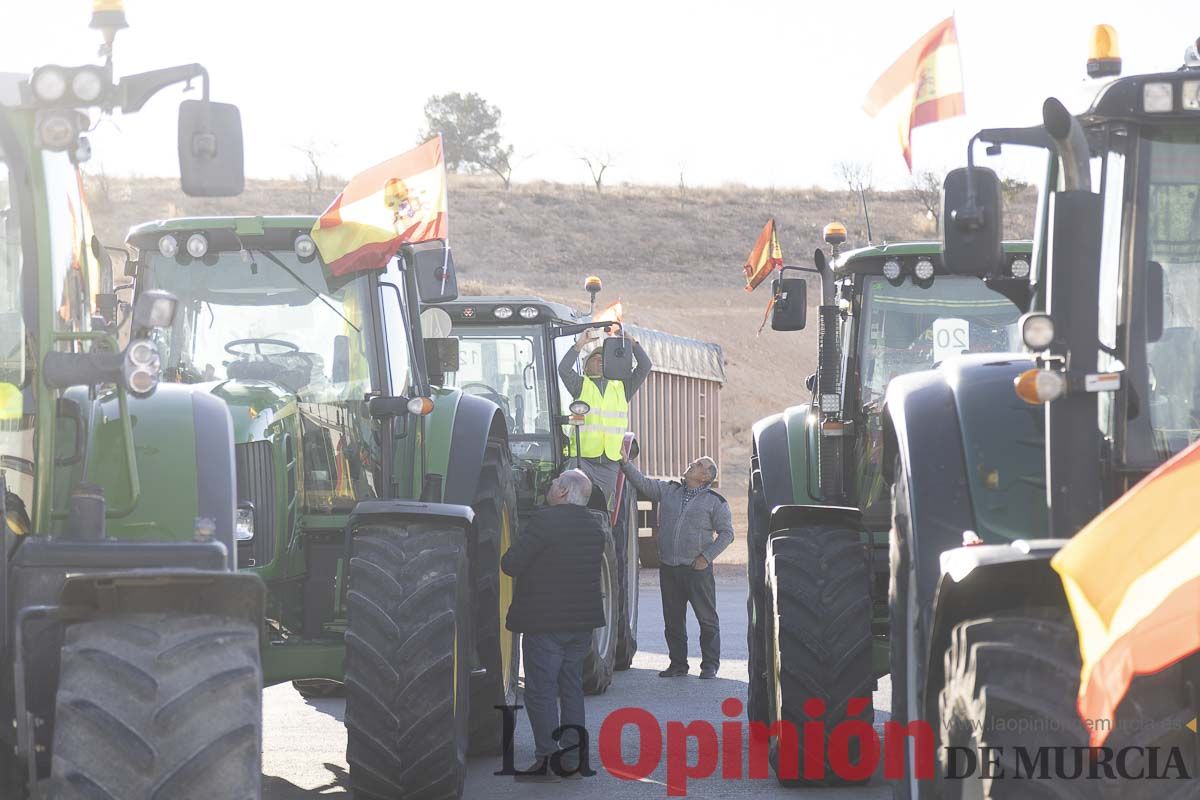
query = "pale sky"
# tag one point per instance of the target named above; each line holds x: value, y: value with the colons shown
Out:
x: 752, y: 92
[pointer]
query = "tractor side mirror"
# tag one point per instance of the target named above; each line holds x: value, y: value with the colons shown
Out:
x: 441, y: 355
x: 340, y: 369
x: 790, y: 310
x: 434, y: 270
x: 974, y: 227
x: 1155, y: 298
x: 211, y: 160
x: 810, y: 382
x: 617, y: 358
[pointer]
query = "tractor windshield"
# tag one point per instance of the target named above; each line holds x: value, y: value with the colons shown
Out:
x: 507, y: 365
x: 1173, y: 240
x: 16, y: 365
x: 265, y: 316
x: 910, y: 327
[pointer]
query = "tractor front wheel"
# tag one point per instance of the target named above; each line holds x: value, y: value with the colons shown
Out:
x: 600, y: 661
x: 159, y: 705
x: 408, y: 657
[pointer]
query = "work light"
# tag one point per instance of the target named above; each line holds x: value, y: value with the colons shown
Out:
x: 891, y: 269
x: 197, y: 245
x: 244, y: 530
x: 87, y: 84
x: 502, y: 312
x: 579, y: 408
x: 1037, y: 331
x: 304, y: 246
x: 528, y: 312
x: 924, y: 269
x: 1019, y: 268
x: 168, y: 245
x: 1158, y: 97
x: 49, y: 83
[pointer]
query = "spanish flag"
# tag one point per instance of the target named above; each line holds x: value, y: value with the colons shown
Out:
x: 929, y: 77
x: 766, y: 257
x: 614, y: 313
x: 1132, y: 577
x: 401, y: 201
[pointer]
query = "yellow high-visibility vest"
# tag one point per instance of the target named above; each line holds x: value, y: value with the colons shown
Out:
x: 605, y: 425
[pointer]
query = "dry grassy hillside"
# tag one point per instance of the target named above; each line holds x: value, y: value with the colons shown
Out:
x: 673, y: 257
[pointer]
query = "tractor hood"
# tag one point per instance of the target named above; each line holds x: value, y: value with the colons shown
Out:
x: 254, y: 405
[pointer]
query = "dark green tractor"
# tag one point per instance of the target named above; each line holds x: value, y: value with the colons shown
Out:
x: 819, y: 507
x: 1012, y: 455
x: 129, y: 645
x: 374, y: 501
x: 509, y: 349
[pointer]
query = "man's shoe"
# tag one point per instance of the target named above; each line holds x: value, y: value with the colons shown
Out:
x: 707, y: 674
x: 538, y: 772
x: 673, y: 672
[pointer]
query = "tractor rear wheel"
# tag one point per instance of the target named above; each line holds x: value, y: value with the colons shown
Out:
x: 408, y: 657
x: 627, y: 554
x: 600, y: 661
x: 159, y: 705
x: 1011, y: 682
x: 756, y: 629
x: 900, y: 611
x: 495, y: 509
x: 818, y: 609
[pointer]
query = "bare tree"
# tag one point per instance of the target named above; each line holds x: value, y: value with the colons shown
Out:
x: 857, y: 175
x: 927, y: 189
x: 103, y: 183
x: 597, y: 165
x: 314, y: 154
x: 682, y: 185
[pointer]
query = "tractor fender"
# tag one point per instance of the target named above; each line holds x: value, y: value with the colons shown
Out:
x: 785, y: 517
x: 784, y: 449
x: 978, y: 580
x: 240, y: 595
x: 475, y: 421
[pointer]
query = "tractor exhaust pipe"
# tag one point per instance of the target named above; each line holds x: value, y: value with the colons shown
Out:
x: 1071, y: 143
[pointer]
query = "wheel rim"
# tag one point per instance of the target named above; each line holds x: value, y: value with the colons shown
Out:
x: 604, y: 635
x: 507, y: 640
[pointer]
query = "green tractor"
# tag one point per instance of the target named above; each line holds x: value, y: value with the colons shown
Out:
x: 1014, y: 455
x: 129, y: 645
x: 509, y: 349
x: 374, y: 501
x: 818, y: 507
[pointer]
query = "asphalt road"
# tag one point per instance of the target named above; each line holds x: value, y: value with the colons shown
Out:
x: 305, y: 741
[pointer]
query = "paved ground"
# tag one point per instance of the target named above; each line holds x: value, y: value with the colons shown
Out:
x: 304, y: 741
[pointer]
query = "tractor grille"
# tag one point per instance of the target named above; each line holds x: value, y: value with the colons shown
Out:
x: 256, y: 483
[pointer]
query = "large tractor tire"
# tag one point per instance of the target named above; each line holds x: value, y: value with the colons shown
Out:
x: 756, y: 629
x: 319, y: 688
x: 12, y: 774
x: 901, y: 609
x: 818, y: 602
x: 497, y: 648
x: 159, y: 705
x: 1011, y: 681
x: 408, y: 663
x: 601, y: 660
x: 627, y: 555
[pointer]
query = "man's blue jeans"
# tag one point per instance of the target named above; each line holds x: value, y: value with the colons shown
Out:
x: 554, y: 676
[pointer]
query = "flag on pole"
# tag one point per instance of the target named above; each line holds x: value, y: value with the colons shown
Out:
x: 401, y: 201
x: 765, y: 258
x: 1132, y: 577
x: 614, y: 313
x: 929, y: 76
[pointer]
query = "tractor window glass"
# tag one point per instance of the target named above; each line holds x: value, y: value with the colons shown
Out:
x: 68, y: 255
x: 508, y: 367
x: 395, y: 333
x: 1173, y: 241
x: 16, y: 381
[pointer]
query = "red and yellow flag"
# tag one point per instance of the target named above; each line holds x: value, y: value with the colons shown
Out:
x: 401, y: 201
x: 765, y: 258
x: 929, y: 74
x: 613, y: 313
x: 1132, y: 577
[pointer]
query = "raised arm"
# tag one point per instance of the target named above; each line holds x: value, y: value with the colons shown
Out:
x: 644, y: 365
x: 649, y: 488
x: 566, y: 370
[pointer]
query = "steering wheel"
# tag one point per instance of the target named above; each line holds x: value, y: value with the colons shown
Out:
x: 285, y: 347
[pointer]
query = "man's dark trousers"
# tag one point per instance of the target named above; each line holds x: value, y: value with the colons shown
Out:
x: 680, y: 586
x: 554, y: 675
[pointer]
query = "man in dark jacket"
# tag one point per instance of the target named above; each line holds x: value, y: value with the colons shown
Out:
x: 694, y: 527
x: 557, y: 603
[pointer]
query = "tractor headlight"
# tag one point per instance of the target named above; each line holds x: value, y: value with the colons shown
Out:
x: 168, y: 245
x: 1037, y: 331
x: 197, y: 245
x: 1158, y: 97
x: 244, y: 529
x: 891, y: 269
x: 49, y: 84
x: 924, y: 269
x: 1019, y: 268
x: 87, y: 84
x: 142, y: 367
x: 57, y: 130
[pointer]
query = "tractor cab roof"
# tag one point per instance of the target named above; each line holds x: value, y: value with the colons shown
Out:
x: 521, y: 310
x: 870, y: 260
x: 225, y: 233
x: 1162, y: 98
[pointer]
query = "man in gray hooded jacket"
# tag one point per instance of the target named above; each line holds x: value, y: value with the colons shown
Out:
x: 694, y: 526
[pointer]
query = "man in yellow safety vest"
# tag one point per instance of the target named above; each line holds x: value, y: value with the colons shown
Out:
x: 605, y: 425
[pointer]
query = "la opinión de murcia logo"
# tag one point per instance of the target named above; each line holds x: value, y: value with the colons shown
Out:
x: 851, y: 750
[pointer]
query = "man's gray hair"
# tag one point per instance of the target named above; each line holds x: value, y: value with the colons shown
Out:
x: 712, y: 467
x: 578, y: 486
